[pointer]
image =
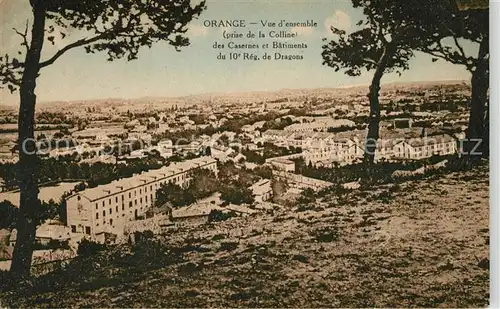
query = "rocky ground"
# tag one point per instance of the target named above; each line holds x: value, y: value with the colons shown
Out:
x: 422, y: 243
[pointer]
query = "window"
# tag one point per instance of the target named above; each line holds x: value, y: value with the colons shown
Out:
x: 116, y: 209
x: 140, y: 191
x: 129, y: 194
x: 130, y: 204
x: 146, y: 198
x: 73, y: 229
x: 102, y: 203
x: 96, y: 206
x: 109, y: 201
x: 87, y: 230
x: 78, y: 198
x: 123, y: 197
x: 123, y: 206
x: 135, y: 202
x: 110, y: 221
x: 116, y: 199
x: 141, y: 200
x: 97, y: 215
x: 110, y: 210
x: 104, y: 213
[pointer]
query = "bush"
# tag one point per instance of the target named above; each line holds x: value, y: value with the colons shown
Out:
x: 326, y: 235
x: 218, y: 216
x: 6, y: 281
x: 228, y: 246
x: 88, y: 248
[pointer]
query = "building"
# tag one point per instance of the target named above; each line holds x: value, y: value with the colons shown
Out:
x: 342, y: 151
x: 425, y: 147
x: 52, y: 231
x: 192, y: 215
x: 284, y: 165
x: 140, y: 136
x: 165, y: 148
x: 105, y: 209
x: 262, y: 190
x: 402, y: 123
x: 320, y: 124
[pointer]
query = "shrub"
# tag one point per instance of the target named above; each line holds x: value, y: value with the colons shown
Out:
x: 218, y: 216
x: 228, y: 246
x: 88, y: 248
x: 326, y: 235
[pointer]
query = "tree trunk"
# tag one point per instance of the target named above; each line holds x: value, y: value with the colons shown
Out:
x: 475, y: 144
x: 374, y: 121
x: 28, y: 170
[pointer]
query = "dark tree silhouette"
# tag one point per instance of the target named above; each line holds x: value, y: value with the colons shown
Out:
x: 468, y: 21
x: 384, y: 43
x: 8, y: 215
x: 237, y: 195
x: 119, y: 28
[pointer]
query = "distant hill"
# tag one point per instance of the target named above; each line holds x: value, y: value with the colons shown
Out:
x: 222, y: 98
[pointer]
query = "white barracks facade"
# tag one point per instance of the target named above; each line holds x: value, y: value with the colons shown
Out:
x: 106, y: 208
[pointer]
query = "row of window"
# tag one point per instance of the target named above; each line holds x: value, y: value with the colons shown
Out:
x: 175, y: 179
x: 86, y: 229
x: 130, y: 205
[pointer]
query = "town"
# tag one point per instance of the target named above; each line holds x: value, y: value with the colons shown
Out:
x: 111, y: 170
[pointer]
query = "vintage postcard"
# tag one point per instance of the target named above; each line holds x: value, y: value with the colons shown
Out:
x: 270, y: 154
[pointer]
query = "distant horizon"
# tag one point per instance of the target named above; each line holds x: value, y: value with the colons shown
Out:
x: 160, y: 71
x: 221, y: 94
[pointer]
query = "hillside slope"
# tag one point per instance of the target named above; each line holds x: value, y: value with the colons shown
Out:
x: 421, y: 243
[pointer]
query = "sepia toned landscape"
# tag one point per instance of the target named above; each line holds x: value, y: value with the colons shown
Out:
x: 354, y: 175
x: 424, y: 245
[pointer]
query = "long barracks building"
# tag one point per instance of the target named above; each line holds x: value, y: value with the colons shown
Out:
x: 107, y: 208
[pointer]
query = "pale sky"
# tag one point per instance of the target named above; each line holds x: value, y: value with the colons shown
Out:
x: 161, y: 71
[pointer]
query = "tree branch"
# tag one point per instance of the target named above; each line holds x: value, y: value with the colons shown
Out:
x: 369, y: 60
x: 75, y: 44
x: 459, y: 47
x: 24, y: 36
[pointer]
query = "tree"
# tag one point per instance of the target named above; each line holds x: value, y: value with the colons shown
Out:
x: 173, y: 194
x: 237, y: 194
x: 383, y: 44
x: 307, y: 196
x: 471, y: 24
x: 118, y: 27
x: 8, y: 215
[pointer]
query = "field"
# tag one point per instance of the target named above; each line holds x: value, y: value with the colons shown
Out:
x: 46, y: 193
x: 423, y: 243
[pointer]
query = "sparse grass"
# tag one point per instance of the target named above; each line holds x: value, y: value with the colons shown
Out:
x: 429, y: 251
